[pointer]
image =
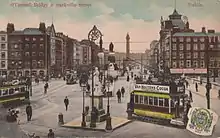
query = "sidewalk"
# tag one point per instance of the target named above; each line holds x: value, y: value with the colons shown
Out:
x: 202, y: 89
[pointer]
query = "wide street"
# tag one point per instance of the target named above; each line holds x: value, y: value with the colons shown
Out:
x: 47, y: 107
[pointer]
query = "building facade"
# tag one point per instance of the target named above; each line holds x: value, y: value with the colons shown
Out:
x: 154, y: 54
x: 4, y: 53
x: 28, y: 50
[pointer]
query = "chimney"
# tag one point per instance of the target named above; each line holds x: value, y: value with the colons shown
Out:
x: 203, y: 30
x: 211, y: 31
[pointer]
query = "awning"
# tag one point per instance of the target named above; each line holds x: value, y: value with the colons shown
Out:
x: 188, y: 71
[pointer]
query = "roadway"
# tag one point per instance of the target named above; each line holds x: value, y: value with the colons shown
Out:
x: 47, y: 107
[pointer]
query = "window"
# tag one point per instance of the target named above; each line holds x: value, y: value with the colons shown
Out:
x: 156, y: 101
x: 188, y: 39
x: 195, y: 47
x: 5, y: 92
x: 33, y: 54
x: 41, y: 54
x: 188, y: 46
x: 15, y: 45
x: 174, y: 46
x: 202, y: 55
x: 136, y: 100
x: 34, y: 63
x: 181, y: 63
x: 195, y: 64
x: 195, y: 39
x: 202, y: 39
x: 141, y: 99
x: 188, y: 55
x: 188, y: 63
x: 195, y: 55
x: 160, y: 101
x: 27, y: 54
x: 2, y: 38
x: 41, y: 39
x: 34, y: 46
x: 3, y: 46
x: 27, y: 39
x: 202, y: 64
x: 3, y: 56
x: 174, y: 55
x: 174, y: 39
x: 34, y: 39
x: 181, y: 39
x: 41, y: 46
x: 181, y: 46
x: 151, y: 100
x: 166, y: 102
x: 27, y: 64
x: 145, y: 100
x: 3, y: 64
x: 202, y: 46
x: 11, y: 91
x: 181, y: 55
x: 174, y: 64
x: 41, y: 63
x: 26, y: 45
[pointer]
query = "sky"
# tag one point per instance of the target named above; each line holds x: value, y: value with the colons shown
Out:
x: 114, y: 18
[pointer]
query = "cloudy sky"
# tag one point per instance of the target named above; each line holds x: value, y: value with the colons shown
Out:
x: 141, y: 18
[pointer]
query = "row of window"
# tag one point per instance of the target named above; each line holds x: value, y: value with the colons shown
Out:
x: 27, y: 54
x: 188, y: 55
x: 3, y: 64
x: 194, y: 64
x: 3, y: 38
x: 11, y: 91
x: 188, y: 47
x: 195, y: 39
x: 34, y: 39
x: 41, y: 46
x: 153, y: 101
x: 3, y: 46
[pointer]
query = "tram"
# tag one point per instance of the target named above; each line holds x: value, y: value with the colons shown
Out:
x: 164, y: 103
x: 14, y: 93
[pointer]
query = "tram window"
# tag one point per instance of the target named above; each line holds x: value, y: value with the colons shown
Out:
x: 156, y: 101
x: 166, y: 102
x: 141, y: 99
x: 11, y: 91
x: 145, y: 100
x: 136, y: 99
x: 22, y: 89
x: 161, y: 101
x: 5, y: 92
x: 0, y: 92
x: 172, y: 103
x: 150, y: 100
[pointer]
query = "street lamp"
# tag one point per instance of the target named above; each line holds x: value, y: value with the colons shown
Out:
x: 83, y: 123
x: 215, y: 70
x: 208, y: 85
x: 93, y: 35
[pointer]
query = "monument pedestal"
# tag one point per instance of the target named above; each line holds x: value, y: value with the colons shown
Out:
x: 98, y: 104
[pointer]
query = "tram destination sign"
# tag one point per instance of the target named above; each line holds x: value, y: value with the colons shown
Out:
x: 152, y: 88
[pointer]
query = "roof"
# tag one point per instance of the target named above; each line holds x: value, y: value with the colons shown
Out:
x: 49, y: 29
x: 199, y: 34
x: 179, y: 23
x: 3, y: 32
x: 17, y: 32
x: 32, y: 31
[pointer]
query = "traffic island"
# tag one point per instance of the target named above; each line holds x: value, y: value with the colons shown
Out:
x: 117, y: 122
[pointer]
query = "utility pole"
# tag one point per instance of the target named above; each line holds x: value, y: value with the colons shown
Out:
x: 141, y: 63
x: 46, y: 57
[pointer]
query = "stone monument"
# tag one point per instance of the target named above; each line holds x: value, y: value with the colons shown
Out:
x: 98, y: 99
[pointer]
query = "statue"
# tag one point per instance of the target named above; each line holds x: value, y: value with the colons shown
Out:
x: 97, y: 84
x: 111, y: 47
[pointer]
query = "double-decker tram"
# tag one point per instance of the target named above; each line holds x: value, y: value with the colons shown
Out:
x: 14, y: 93
x: 158, y: 103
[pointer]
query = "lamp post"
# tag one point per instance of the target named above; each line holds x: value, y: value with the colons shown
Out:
x: 208, y: 85
x: 83, y: 123
x: 215, y: 70
x: 93, y: 35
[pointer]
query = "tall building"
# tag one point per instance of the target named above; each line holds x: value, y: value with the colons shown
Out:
x: 154, y: 54
x: 69, y: 52
x: 28, y: 49
x: 127, y: 46
x: 4, y: 53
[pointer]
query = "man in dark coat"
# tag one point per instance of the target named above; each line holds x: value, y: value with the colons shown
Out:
x: 190, y: 96
x: 122, y: 91
x: 128, y: 79
x: 45, y: 88
x: 66, y: 102
x: 51, y: 134
x: 196, y: 87
x: 29, y: 112
x: 119, y: 95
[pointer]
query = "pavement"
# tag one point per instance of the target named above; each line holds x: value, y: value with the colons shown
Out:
x: 45, y: 114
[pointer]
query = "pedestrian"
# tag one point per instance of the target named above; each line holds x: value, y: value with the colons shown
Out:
x: 196, y: 87
x: 88, y: 87
x: 51, y: 134
x: 29, y: 112
x: 187, y: 84
x: 190, y: 96
x: 66, y: 102
x: 45, y: 88
x: 128, y: 78
x: 119, y: 95
x: 122, y: 91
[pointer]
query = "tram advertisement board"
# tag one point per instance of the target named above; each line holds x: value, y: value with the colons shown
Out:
x: 152, y: 88
x: 201, y: 121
